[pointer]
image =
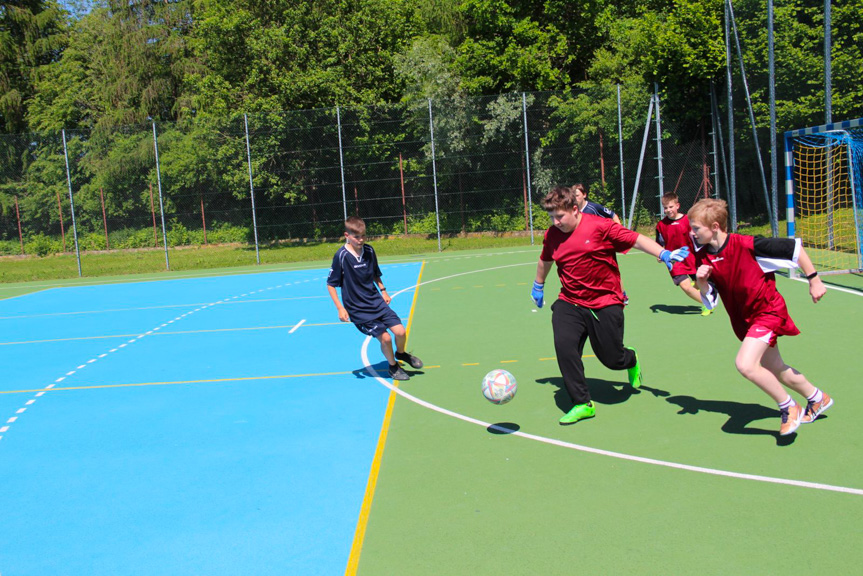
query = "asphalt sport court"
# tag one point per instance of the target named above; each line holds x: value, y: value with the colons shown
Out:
x: 247, y: 433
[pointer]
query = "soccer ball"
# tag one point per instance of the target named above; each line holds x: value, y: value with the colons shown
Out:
x: 499, y: 386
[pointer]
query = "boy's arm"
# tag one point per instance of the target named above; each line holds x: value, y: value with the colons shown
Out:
x: 536, y: 293
x: 816, y: 287
x: 649, y: 246
x: 379, y: 283
x: 343, y: 314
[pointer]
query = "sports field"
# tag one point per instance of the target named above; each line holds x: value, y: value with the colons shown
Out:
x: 230, y: 424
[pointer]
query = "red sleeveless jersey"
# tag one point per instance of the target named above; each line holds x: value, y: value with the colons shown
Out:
x: 748, y: 293
x: 676, y: 234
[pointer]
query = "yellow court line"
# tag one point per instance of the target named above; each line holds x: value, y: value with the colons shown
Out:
x: 176, y: 382
x: 168, y: 333
x: 365, y: 509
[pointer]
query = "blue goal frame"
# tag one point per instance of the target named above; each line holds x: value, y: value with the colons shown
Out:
x: 855, y: 179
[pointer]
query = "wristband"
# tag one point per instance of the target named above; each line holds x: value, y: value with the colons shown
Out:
x: 383, y: 289
x: 811, y: 276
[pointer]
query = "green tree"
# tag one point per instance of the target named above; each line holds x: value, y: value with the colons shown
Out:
x: 508, y: 48
x: 31, y: 36
x: 298, y: 55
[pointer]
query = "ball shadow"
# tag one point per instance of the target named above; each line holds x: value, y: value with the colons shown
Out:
x: 503, y: 428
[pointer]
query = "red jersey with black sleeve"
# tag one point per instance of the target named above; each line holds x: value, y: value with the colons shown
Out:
x: 748, y: 293
x: 674, y: 234
x: 587, y: 260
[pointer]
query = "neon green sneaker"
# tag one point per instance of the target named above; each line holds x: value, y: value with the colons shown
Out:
x: 579, y: 412
x: 634, y: 373
x: 705, y: 311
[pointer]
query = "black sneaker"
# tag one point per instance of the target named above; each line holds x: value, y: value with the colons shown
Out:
x: 414, y: 362
x: 398, y: 373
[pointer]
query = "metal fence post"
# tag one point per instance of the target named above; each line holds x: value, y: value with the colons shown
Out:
x: 771, y: 74
x: 620, y: 145
x: 161, y: 204
x: 640, y: 163
x: 732, y: 183
x: 527, y: 164
x: 252, y: 189
x: 342, y: 162
x: 658, y: 147
x: 71, y: 204
x: 434, y: 176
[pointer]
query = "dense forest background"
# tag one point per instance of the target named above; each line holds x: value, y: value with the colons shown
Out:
x: 103, y: 70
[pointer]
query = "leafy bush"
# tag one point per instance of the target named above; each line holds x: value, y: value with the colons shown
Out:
x: 422, y: 224
x: 42, y: 245
x: 130, y: 238
x: 9, y: 247
x: 226, y: 234
x: 541, y: 219
x: 179, y: 235
x: 92, y: 241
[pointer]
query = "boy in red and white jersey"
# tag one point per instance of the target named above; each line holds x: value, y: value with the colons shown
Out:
x: 740, y: 268
x: 673, y: 232
x: 590, y: 304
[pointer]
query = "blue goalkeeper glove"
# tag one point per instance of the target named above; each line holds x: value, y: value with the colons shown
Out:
x: 670, y: 257
x: 537, y: 294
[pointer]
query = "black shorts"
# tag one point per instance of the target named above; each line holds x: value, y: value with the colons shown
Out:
x: 379, y: 325
x: 679, y: 278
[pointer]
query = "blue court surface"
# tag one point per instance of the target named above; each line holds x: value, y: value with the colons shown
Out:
x: 200, y: 426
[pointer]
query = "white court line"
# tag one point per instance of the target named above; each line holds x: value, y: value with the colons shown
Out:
x: 298, y: 324
x: 554, y: 442
x: 831, y: 287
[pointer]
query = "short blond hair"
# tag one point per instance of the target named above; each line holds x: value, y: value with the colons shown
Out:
x: 709, y: 210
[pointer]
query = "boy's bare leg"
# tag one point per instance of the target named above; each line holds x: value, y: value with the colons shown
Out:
x: 401, y: 337
x: 772, y: 360
x: 387, y: 347
x: 749, y: 364
x: 690, y: 290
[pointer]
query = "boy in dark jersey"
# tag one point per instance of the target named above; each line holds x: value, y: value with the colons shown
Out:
x: 590, y: 304
x: 355, y: 270
x: 740, y: 268
x: 586, y: 206
x: 673, y: 232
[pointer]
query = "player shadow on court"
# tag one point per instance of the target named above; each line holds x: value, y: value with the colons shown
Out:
x: 740, y: 415
x: 601, y: 391
x: 675, y: 309
x: 382, y: 368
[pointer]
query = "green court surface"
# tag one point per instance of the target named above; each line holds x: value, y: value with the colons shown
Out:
x: 453, y: 497
x: 686, y: 476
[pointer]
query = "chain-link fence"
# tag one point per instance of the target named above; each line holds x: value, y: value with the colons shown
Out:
x: 461, y: 166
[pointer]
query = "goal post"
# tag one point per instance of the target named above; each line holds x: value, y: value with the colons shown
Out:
x: 824, y: 193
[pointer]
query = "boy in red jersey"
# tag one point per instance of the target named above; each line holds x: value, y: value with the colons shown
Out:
x: 590, y: 303
x: 673, y: 232
x: 740, y: 268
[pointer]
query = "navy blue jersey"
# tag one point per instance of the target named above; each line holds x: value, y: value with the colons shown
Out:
x: 356, y: 277
x: 597, y: 210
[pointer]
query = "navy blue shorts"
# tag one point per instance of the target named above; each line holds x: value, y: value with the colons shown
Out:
x: 379, y: 325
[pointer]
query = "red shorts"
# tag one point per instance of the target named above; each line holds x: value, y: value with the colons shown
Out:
x: 761, y: 333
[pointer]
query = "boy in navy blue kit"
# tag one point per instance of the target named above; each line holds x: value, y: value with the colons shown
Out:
x: 355, y: 270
